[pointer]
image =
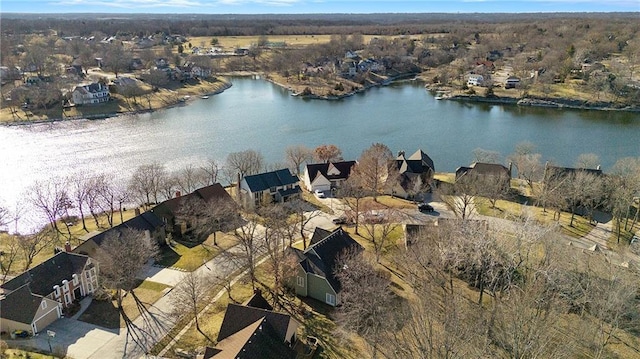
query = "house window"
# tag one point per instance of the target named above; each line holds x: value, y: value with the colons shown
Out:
x: 65, y: 285
x: 67, y: 298
x: 43, y: 304
x: 331, y: 299
x: 300, y: 281
x: 75, y: 279
x: 56, y: 289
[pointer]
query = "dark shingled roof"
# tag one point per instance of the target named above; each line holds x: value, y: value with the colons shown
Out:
x: 20, y: 305
x: 258, y: 340
x: 238, y: 317
x: 169, y: 208
x: 318, y: 235
x: 53, y: 271
x: 258, y: 301
x: 264, y: 181
x: 343, y: 167
x: 320, y: 258
x: 146, y: 221
x: 484, y: 169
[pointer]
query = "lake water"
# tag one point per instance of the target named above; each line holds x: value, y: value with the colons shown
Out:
x: 255, y: 114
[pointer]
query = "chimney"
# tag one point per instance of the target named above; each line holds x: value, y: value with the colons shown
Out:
x: 137, y: 211
x: 67, y: 247
x: 257, y: 291
x: 400, y: 153
x: 598, y: 167
x: 238, y: 187
x: 178, y: 194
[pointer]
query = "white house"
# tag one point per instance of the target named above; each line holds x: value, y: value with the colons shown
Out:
x: 511, y: 82
x: 324, y: 176
x: 90, y: 94
x: 475, y: 80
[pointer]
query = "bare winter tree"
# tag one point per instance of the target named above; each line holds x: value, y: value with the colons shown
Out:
x: 188, y: 297
x: 5, y: 216
x: 366, y: 298
x: 376, y: 171
x: 296, y: 155
x: 588, y: 160
x: 33, y: 244
x: 187, y: 179
x: 147, y: 182
x: 122, y: 255
x: 352, y: 194
x: 208, y: 218
x: 10, y: 253
x: 380, y: 232
x: 248, y: 236
x: 51, y: 199
x: 528, y: 163
x: 209, y: 172
x: 486, y: 156
x: 245, y: 163
x: 620, y: 189
x: 327, y: 153
x: 460, y: 197
x: 304, y: 213
x: 80, y: 187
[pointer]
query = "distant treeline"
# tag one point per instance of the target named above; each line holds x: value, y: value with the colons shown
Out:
x: 274, y: 24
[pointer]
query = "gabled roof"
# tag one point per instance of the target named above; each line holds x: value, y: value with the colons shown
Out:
x: 564, y: 171
x: 20, y: 305
x: 343, y: 167
x: 170, y: 207
x: 238, y: 317
x: 318, y: 235
x: 258, y: 301
x: 264, y: 181
x: 258, y: 340
x: 146, y: 221
x: 320, y: 258
x: 419, y: 162
x: 45, y: 275
x: 486, y: 169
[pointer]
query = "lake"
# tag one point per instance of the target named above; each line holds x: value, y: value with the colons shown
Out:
x: 255, y: 114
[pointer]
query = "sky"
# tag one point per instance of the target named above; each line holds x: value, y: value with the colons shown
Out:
x: 315, y: 6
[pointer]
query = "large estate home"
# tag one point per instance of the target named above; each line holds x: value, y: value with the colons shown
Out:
x: 486, y: 172
x: 90, y: 94
x: 325, y: 176
x: 416, y: 174
x: 37, y: 297
x: 270, y: 187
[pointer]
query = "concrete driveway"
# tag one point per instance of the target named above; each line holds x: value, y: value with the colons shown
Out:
x: 74, y: 338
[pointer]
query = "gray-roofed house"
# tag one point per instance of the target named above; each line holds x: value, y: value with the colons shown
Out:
x: 170, y: 210
x: 270, y: 187
x: 254, y: 333
x: 315, y: 277
x: 30, y: 298
x: 486, y: 171
x: 90, y: 94
x: 325, y: 176
x: 146, y: 222
x: 416, y: 174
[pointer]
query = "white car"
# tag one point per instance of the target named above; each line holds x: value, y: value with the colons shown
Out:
x: 319, y: 193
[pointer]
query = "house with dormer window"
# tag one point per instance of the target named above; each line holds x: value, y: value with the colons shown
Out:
x: 325, y: 176
x: 38, y: 296
x: 90, y: 94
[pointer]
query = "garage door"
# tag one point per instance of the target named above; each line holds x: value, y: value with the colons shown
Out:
x: 324, y: 188
x: 45, y: 320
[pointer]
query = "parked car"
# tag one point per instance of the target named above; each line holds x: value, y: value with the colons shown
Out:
x: 425, y: 207
x: 339, y: 220
x: 319, y: 193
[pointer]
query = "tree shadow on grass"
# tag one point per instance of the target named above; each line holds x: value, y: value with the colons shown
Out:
x: 102, y: 313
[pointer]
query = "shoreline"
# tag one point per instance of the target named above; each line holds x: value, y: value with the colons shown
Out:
x: 553, y: 103
x: 103, y: 116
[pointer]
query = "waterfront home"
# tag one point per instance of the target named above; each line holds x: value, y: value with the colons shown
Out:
x: 147, y: 222
x: 37, y: 297
x: 270, y: 187
x: 90, y: 94
x: 511, y: 82
x: 315, y: 276
x: 475, y: 80
x: 416, y: 174
x: 486, y: 171
x: 326, y: 176
x: 174, y: 212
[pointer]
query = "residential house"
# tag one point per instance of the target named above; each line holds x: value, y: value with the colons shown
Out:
x: 326, y: 176
x: 136, y: 64
x: 493, y: 171
x: 161, y: 63
x: 37, y: 297
x: 511, y: 82
x: 475, y: 80
x: 430, y: 230
x: 90, y: 94
x: 485, y: 66
x: 251, y: 331
x: 147, y: 222
x: 416, y: 174
x: 171, y: 211
x: 315, y: 276
x: 270, y: 187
